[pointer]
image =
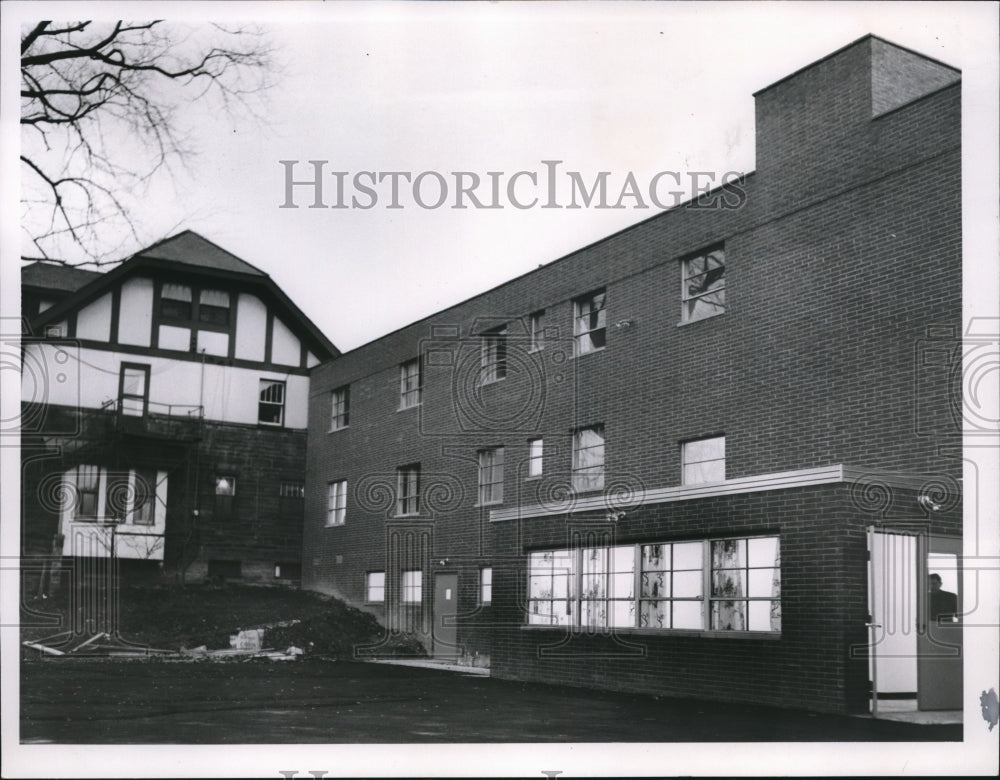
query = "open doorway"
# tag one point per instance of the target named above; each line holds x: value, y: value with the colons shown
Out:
x: 915, y: 603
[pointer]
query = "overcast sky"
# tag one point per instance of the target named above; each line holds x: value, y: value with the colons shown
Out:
x: 492, y: 87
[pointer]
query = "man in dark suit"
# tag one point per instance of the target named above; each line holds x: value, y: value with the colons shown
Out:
x: 942, y: 604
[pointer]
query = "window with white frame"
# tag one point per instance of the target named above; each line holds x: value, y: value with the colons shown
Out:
x: 491, y: 476
x: 723, y: 585
x: 412, y: 587
x: 536, y: 327
x: 271, y: 408
x: 340, y: 408
x: 408, y: 489
x: 535, y: 455
x: 486, y: 585
x: 703, y: 285
x: 552, y: 587
x: 144, y: 497
x: 494, y: 355
x: 133, y: 389
x: 336, y: 502
x: 589, y: 327
x: 375, y: 587
x: 588, y: 459
x: 409, y: 384
x: 116, y: 495
x: 703, y: 460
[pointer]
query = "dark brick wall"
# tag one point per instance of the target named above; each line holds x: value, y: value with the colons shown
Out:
x: 839, y: 344
x: 262, y: 528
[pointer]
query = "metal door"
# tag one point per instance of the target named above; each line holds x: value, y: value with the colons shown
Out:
x: 445, y: 609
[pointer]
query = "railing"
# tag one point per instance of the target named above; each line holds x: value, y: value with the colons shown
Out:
x: 158, y: 420
x: 190, y: 411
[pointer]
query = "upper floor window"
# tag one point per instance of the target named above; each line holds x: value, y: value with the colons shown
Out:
x: 703, y: 460
x: 491, y: 476
x: 703, y: 285
x: 589, y: 328
x: 535, y: 452
x: 588, y: 458
x: 536, y: 326
x: 486, y: 585
x: 409, y: 384
x: 175, y: 301
x: 494, y: 358
x: 336, y: 502
x: 271, y: 409
x: 375, y: 587
x: 340, y: 408
x: 88, y: 480
x: 408, y: 489
x: 289, y: 489
x: 213, y: 307
x: 133, y: 389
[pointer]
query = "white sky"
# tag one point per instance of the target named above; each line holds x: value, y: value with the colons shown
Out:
x: 615, y: 87
x: 501, y: 86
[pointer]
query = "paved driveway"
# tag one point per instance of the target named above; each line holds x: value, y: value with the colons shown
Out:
x: 140, y: 702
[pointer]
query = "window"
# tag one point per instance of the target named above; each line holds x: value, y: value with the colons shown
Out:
x: 225, y: 495
x: 175, y: 302
x: 271, y: 409
x: 746, y: 585
x: 288, y: 571
x: 703, y: 460
x: 409, y: 384
x: 535, y: 450
x: 213, y: 307
x: 336, y: 502
x: 494, y: 359
x: 552, y: 587
x: 116, y: 495
x: 375, y: 587
x: 491, y: 476
x: 340, y: 407
x: 144, y: 498
x: 588, y: 459
x: 671, y: 585
x: 595, y: 587
x: 536, y: 326
x: 133, y: 389
x: 607, y: 587
x: 486, y: 586
x: 88, y: 480
x: 589, y: 323
x: 408, y: 489
x: 289, y: 489
x: 413, y: 587
x: 703, y: 285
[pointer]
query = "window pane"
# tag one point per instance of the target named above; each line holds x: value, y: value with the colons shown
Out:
x: 687, y: 614
x: 764, y: 583
x: 762, y: 551
x: 765, y: 616
x: 729, y: 582
x: 622, y: 614
x: 687, y: 555
x: 729, y: 615
x: 655, y: 585
x: 622, y: 586
x: 225, y: 486
x: 687, y: 584
x: 176, y: 292
x: 728, y: 553
x: 655, y: 614
x: 655, y: 557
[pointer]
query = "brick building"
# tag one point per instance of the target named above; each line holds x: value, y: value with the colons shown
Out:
x: 164, y: 416
x: 659, y: 463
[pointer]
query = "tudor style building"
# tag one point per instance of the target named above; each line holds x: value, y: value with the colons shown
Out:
x: 164, y: 415
x: 713, y: 455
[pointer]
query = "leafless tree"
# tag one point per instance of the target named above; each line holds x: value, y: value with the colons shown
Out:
x: 100, y: 116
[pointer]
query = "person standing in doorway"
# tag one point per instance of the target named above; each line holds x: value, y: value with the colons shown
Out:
x: 943, y: 604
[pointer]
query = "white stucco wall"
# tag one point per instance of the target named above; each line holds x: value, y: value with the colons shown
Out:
x: 285, y: 348
x: 135, y: 318
x: 93, y: 321
x: 88, y: 378
x: 251, y: 327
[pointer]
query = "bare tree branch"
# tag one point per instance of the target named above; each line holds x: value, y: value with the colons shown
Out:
x: 101, y: 115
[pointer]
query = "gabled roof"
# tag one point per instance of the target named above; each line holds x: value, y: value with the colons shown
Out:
x: 188, y: 248
x: 59, y: 278
x: 186, y: 252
